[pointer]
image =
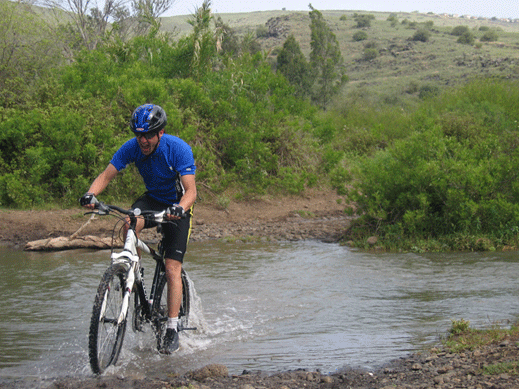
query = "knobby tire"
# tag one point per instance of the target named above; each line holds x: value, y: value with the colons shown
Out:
x: 105, y: 336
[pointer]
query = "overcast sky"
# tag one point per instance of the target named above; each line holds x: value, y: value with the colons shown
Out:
x: 486, y: 8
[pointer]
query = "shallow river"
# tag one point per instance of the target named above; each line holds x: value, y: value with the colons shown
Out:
x: 267, y: 307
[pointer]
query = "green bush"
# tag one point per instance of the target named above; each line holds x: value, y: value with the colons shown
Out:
x: 466, y: 38
x: 244, y: 123
x: 363, y: 21
x: 370, y: 54
x: 262, y: 31
x: 54, y: 153
x: 460, y: 30
x: 452, y: 176
x: 421, y: 35
x: 428, y: 91
x: 489, y: 36
x: 393, y: 19
x: 360, y: 36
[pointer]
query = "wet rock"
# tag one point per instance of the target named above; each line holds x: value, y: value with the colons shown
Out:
x: 416, y: 366
x: 327, y: 380
x: 209, y: 371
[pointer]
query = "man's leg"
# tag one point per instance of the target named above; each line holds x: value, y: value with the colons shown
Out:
x: 174, y: 299
x: 178, y: 234
x: 174, y: 278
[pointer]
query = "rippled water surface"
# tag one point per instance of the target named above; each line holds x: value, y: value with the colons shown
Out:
x: 264, y: 307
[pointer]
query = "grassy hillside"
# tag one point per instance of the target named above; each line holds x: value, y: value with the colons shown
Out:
x: 402, y: 68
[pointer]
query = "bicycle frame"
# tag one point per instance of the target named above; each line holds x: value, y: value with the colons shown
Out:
x: 129, y: 258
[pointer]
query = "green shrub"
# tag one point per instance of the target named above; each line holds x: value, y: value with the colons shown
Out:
x: 428, y: 91
x: 460, y: 30
x: 363, y: 21
x: 489, y: 36
x: 247, y: 128
x: 262, y: 31
x: 466, y: 38
x: 428, y: 25
x: 393, y: 20
x: 421, y: 35
x: 360, y: 36
x: 370, y: 54
x: 453, y: 176
x: 54, y: 152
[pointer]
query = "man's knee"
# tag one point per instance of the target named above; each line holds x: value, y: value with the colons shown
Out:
x: 173, y: 267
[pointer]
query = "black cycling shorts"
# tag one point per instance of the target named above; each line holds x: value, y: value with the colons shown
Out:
x: 176, y: 232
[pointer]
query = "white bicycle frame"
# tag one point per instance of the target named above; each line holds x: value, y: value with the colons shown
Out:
x: 130, y: 259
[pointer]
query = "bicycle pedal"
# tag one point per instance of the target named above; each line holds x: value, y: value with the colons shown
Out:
x: 187, y: 329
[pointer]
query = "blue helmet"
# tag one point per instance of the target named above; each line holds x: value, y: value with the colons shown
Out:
x: 148, y: 118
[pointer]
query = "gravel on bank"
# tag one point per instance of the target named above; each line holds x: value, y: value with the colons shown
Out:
x: 436, y: 368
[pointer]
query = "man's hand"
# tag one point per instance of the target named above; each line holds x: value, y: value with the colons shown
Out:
x: 88, y: 200
x: 176, y: 212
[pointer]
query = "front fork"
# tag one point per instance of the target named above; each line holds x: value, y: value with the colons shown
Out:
x: 129, y: 259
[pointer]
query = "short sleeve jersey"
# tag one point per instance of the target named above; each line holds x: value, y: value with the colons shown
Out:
x: 161, y: 170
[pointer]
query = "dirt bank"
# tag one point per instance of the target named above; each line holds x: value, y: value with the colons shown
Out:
x: 318, y: 215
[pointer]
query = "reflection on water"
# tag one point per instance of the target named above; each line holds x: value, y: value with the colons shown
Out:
x: 265, y: 307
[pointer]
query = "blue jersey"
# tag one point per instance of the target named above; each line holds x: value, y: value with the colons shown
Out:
x: 161, y: 170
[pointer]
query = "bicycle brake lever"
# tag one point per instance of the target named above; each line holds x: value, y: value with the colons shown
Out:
x: 103, y: 209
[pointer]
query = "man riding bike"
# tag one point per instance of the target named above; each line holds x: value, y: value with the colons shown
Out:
x: 167, y: 166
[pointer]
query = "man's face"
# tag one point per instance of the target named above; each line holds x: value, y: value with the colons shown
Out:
x: 148, y: 141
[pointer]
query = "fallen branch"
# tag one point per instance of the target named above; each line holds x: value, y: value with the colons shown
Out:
x: 73, y: 242
x: 65, y: 243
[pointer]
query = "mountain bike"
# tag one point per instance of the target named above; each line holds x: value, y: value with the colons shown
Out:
x: 122, y: 291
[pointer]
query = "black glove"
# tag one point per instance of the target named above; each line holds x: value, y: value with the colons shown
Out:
x: 176, y: 210
x: 87, y: 198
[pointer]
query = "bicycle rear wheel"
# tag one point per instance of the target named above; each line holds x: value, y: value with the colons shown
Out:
x: 160, y: 307
x: 106, y: 336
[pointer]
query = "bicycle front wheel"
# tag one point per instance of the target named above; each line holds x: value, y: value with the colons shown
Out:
x: 160, y: 307
x: 106, y: 335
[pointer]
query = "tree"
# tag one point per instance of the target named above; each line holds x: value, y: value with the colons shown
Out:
x: 91, y: 20
x: 363, y: 21
x: 205, y: 41
x: 292, y: 63
x: 26, y: 52
x: 393, y: 19
x: 151, y: 8
x: 229, y: 42
x: 325, y: 60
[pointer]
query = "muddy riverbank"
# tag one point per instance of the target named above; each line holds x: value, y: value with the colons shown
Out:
x: 318, y: 215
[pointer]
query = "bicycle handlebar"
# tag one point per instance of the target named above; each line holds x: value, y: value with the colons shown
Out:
x: 105, y: 209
